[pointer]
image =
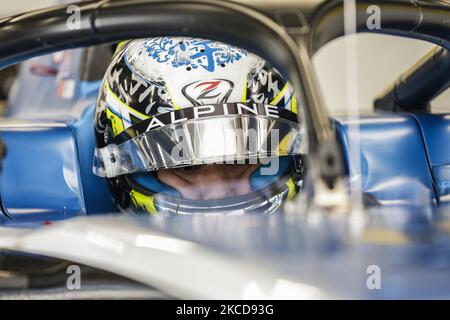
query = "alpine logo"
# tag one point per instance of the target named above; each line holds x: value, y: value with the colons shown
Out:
x: 209, y: 91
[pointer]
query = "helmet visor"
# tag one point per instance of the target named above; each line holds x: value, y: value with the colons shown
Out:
x: 233, y: 138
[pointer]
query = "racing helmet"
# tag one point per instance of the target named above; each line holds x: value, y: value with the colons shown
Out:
x: 169, y: 103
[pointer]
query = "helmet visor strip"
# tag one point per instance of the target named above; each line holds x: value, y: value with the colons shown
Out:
x: 232, y: 138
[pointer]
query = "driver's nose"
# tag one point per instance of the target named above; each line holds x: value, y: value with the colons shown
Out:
x: 209, y: 182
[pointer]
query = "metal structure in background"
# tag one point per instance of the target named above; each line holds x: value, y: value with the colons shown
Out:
x: 419, y: 85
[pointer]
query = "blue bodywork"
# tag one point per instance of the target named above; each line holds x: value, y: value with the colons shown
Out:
x: 395, y: 165
x: 47, y: 173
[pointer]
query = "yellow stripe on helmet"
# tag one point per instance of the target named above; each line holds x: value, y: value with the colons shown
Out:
x: 284, y: 145
x: 120, y: 46
x: 244, y: 94
x: 294, y: 104
x: 292, y: 192
x: 116, y: 122
x: 280, y: 94
x: 144, y: 202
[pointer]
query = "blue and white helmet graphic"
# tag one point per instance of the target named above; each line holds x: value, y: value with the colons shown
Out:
x: 158, y: 87
x: 157, y: 75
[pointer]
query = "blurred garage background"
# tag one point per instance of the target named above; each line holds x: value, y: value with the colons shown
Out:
x: 380, y: 60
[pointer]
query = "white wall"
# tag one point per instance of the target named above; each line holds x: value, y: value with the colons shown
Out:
x: 10, y: 7
x: 380, y: 60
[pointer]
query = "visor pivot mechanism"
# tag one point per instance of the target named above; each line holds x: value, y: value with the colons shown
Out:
x: 106, y: 161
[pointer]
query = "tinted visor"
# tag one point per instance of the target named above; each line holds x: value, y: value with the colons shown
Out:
x: 223, y: 133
